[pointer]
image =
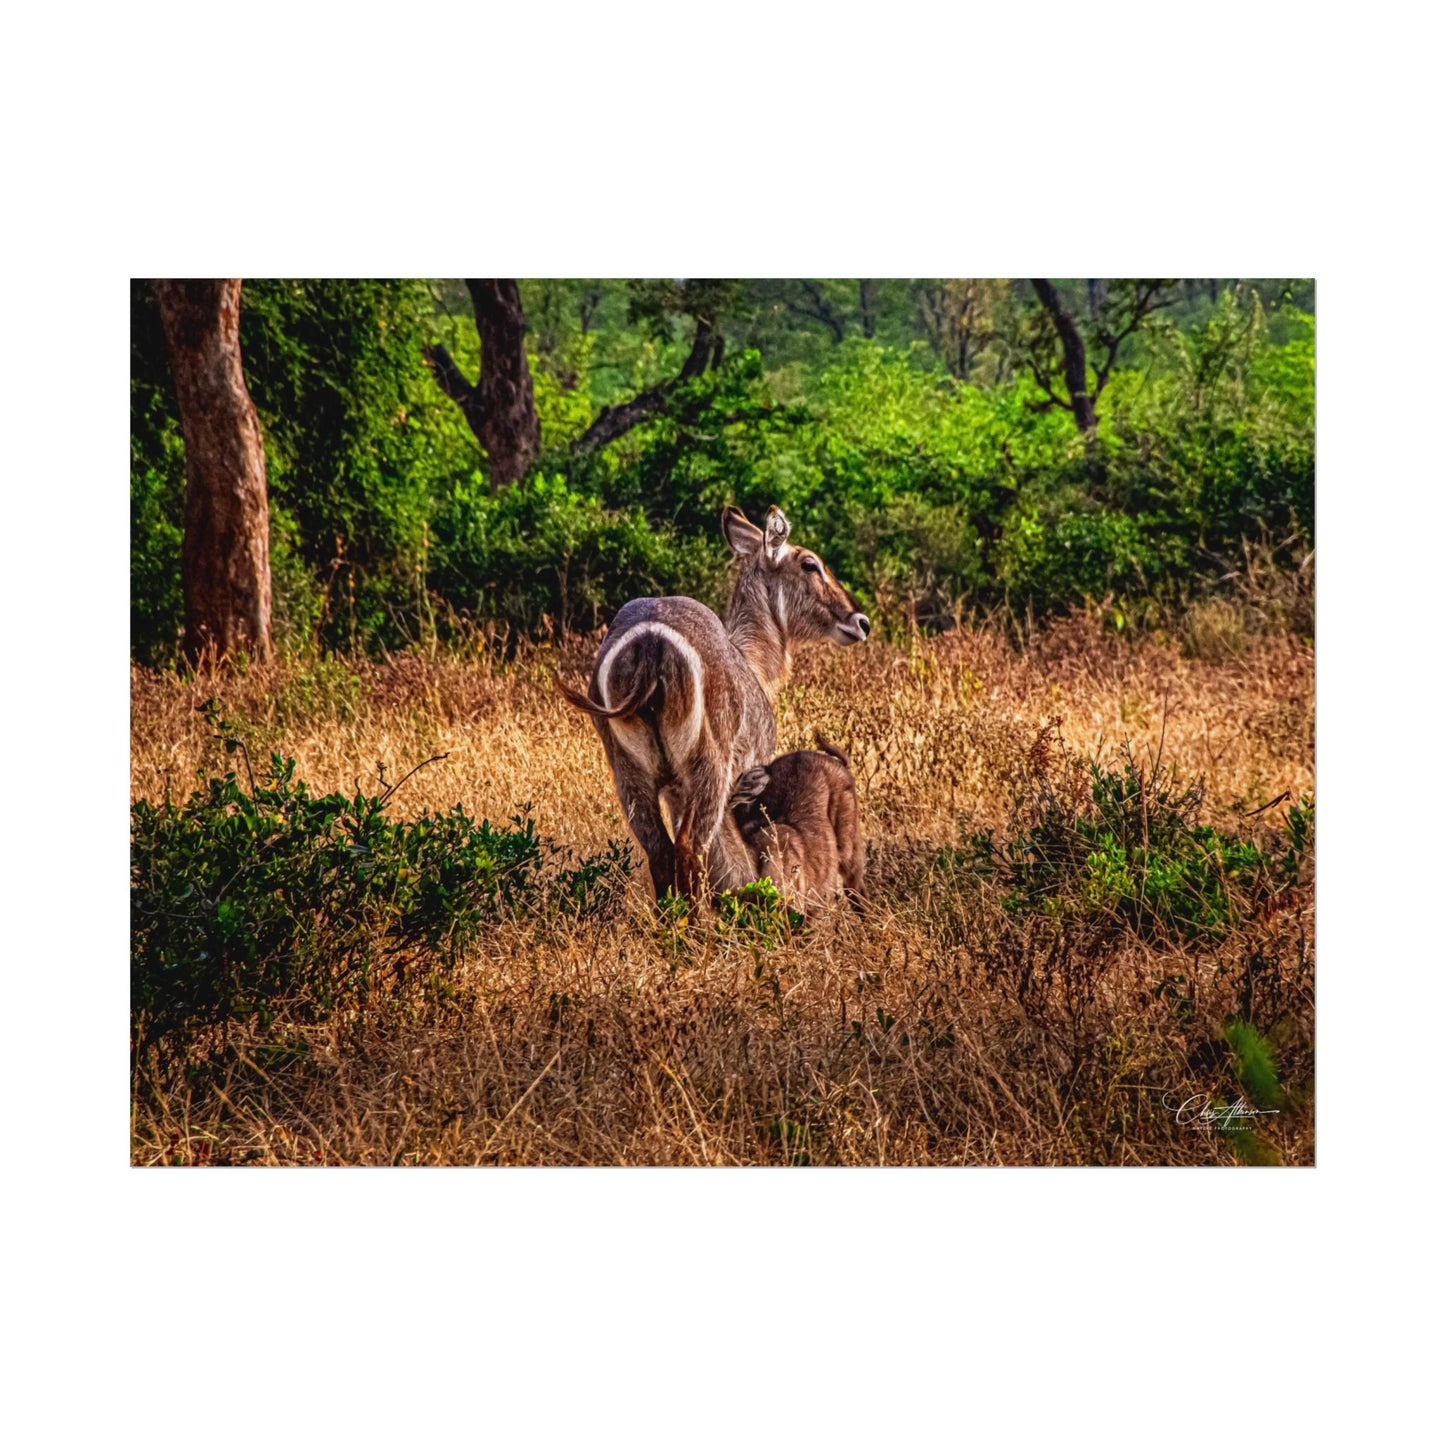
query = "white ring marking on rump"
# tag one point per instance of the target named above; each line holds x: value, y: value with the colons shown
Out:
x: 680, y: 741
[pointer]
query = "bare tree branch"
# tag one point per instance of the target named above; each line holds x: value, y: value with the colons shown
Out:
x: 613, y: 421
x: 820, y: 309
x: 449, y: 376
x: 1144, y: 302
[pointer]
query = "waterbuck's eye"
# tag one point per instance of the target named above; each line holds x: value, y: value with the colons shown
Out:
x: 812, y: 564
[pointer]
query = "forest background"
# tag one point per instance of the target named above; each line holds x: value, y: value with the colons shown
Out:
x: 954, y: 448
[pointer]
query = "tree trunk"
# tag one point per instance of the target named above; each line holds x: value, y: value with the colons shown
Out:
x: 1076, y: 370
x: 225, y: 551
x: 499, y: 408
x: 510, y: 430
x: 867, y: 309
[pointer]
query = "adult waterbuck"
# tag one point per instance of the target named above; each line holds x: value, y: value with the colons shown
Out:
x: 683, y: 702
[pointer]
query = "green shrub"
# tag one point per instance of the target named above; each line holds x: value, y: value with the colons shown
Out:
x: 1048, y: 560
x: 157, y: 489
x: 544, y: 555
x: 1125, y: 847
x: 249, y: 903
x: 596, y: 885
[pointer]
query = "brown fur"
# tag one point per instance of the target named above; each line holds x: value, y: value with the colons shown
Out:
x: 798, y: 819
x: 683, y: 703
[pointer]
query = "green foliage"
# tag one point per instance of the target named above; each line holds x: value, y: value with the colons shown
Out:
x: 596, y: 885
x: 1256, y: 1069
x: 1216, y: 441
x: 709, y: 448
x: 157, y: 489
x: 543, y: 555
x: 1050, y: 559
x: 1007, y: 505
x: 250, y: 902
x: 758, y: 913
x: 653, y: 304
x: 1251, y: 1148
x: 928, y: 494
x: 1254, y: 1064
x: 1299, y: 830
x: 1127, y: 850
x: 359, y: 441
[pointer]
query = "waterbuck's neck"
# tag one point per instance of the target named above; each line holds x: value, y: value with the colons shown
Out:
x: 758, y: 632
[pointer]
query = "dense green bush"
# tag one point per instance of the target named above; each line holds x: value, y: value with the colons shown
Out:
x: 543, y: 555
x: 1127, y: 848
x: 252, y: 902
x: 157, y: 488
x: 359, y: 443
x: 922, y: 489
x: 710, y: 448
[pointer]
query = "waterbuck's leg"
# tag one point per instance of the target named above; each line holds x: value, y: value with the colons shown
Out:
x: 697, y: 827
x: 644, y: 818
x: 637, y: 792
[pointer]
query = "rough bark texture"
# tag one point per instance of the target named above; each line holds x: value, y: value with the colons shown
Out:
x: 1076, y: 375
x: 225, y: 551
x: 499, y: 409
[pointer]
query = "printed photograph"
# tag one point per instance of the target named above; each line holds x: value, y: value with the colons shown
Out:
x: 798, y: 723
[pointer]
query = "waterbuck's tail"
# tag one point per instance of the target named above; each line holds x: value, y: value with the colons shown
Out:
x: 636, y: 699
x: 825, y: 746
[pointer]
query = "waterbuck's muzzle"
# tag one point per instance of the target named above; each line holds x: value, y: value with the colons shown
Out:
x: 855, y: 629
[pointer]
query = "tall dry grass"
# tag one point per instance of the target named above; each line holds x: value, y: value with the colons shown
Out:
x: 931, y: 1028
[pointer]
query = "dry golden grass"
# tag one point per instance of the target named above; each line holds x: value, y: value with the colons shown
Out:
x: 918, y: 1032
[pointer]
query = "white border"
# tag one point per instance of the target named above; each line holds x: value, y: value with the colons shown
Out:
x: 779, y: 140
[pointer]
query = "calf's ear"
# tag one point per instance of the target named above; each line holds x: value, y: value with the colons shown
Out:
x: 749, y: 787
x: 742, y: 536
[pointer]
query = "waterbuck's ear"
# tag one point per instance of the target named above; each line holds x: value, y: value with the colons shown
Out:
x: 743, y: 537
x: 776, y: 530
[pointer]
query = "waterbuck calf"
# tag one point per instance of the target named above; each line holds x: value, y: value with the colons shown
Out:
x: 683, y: 702
x: 798, y: 819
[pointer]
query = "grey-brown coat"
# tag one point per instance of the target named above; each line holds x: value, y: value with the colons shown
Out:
x: 683, y: 701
